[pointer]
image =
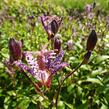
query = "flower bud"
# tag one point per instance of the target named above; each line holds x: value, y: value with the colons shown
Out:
x: 92, y: 40
x: 57, y: 43
x: 94, y: 4
x: 54, y: 26
x: 51, y: 25
x: 86, y: 57
x: 70, y: 45
x: 15, y: 49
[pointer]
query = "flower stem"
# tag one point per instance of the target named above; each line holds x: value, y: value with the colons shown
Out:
x: 37, y: 89
x: 69, y: 74
x: 60, y: 85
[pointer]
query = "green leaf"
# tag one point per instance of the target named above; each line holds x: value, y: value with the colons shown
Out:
x: 104, y: 107
x: 69, y: 105
x: 99, y: 71
x: 4, y: 52
x: 7, y: 101
x: 24, y: 103
x: 101, y: 58
x: 1, y: 65
x: 61, y: 105
x: 70, y: 88
x: 11, y: 93
x: 94, y: 80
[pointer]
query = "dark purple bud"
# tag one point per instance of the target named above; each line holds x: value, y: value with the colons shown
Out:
x: 70, y: 45
x: 92, y: 40
x: 54, y: 26
x: 94, y: 4
x: 57, y: 43
x: 51, y: 25
x: 15, y: 49
x: 98, y: 13
x: 86, y: 57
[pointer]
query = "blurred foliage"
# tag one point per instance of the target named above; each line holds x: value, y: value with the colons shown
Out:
x: 88, y: 88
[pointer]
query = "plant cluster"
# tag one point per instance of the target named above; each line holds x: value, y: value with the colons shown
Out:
x: 44, y: 64
x: 55, y: 60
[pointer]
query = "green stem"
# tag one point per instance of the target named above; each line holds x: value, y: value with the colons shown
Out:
x: 37, y: 89
x: 60, y: 85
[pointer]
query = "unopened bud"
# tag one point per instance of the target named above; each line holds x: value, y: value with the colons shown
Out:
x: 70, y: 45
x: 54, y: 26
x: 92, y: 40
x: 15, y: 49
x: 57, y: 43
x: 51, y: 25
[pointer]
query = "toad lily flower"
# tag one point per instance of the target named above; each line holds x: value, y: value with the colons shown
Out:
x: 42, y: 65
x: 51, y: 25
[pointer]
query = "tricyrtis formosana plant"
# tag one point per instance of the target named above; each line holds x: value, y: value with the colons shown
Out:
x: 45, y: 64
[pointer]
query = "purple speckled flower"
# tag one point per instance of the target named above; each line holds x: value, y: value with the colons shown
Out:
x: 56, y: 64
x: 23, y: 67
x: 42, y: 64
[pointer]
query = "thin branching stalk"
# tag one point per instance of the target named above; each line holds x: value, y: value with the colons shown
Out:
x: 69, y: 74
x: 37, y: 89
x: 60, y: 85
